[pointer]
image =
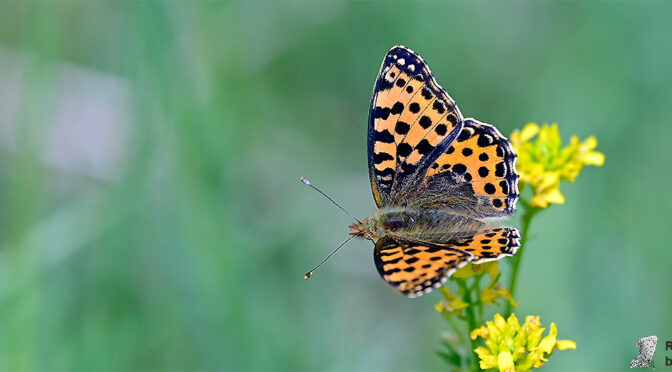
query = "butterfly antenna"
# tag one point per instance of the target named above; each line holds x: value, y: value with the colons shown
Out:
x: 310, y: 273
x: 305, y: 180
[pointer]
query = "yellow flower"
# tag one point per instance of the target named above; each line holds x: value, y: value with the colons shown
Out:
x: 489, y: 296
x: 470, y: 270
x: 542, y: 164
x: 512, y: 347
x: 451, y: 305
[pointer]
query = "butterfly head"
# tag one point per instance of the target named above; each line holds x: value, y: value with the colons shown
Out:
x: 367, y: 229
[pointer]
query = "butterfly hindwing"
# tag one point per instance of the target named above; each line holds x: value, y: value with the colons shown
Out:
x: 410, y: 115
x: 482, y: 157
x: 416, y: 268
x: 413, y: 268
x: 490, y: 245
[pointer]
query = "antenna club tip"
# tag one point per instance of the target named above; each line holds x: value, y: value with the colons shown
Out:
x: 308, y: 275
x: 305, y: 180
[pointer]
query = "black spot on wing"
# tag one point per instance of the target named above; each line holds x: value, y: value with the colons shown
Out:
x: 424, y: 147
x: 397, y: 108
x: 402, y: 127
x: 427, y: 93
x: 484, y: 140
x: 452, y: 118
x: 385, y: 136
x: 439, y: 106
x: 385, y: 172
x: 464, y: 135
x: 500, y: 169
x: 459, y: 168
x: 393, y: 261
x: 425, y: 122
x: 381, y: 112
x: 404, y: 149
x: 382, y: 84
x: 408, y: 168
x: 505, y: 186
x: 381, y: 157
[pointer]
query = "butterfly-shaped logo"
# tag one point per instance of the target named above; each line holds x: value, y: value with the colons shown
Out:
x: 441, y: 182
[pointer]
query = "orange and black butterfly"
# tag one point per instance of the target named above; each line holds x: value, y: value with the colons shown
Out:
x: 441, y: 182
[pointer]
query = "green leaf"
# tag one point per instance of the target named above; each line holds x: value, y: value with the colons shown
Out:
x: 450, y: 357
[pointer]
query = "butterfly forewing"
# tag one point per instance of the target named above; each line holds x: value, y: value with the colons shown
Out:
x: 482, y: 157
x: 410, y: 115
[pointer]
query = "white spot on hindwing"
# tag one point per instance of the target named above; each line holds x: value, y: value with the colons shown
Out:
x: 469, y: 130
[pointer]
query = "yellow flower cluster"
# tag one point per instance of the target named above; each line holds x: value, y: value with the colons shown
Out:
x: 512, y: 347
x: 544, y: 163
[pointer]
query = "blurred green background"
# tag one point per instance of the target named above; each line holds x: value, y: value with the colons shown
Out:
x: 150, y: 211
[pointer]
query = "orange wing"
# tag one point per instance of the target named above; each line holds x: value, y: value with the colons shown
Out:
x: 483, y: 158
x: 414, y: 269
x: 490, y: 245
x: 410, y: 115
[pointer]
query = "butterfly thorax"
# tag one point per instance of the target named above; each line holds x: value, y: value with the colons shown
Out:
x: 431, y: 225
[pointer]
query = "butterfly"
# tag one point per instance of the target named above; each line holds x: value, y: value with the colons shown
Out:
x: 442, y: 183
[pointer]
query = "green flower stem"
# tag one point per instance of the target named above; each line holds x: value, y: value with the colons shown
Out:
x: 460, y: 338
x: 477, y: 303
x: 471, y: 320
x: 456, y: 327
x: 529, y: 212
